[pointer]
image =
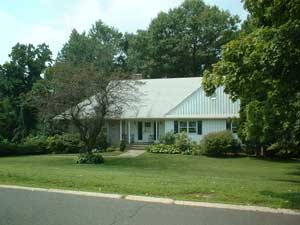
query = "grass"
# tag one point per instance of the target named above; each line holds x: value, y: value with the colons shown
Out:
x: 229, y: 180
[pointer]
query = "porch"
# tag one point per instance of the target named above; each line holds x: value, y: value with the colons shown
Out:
x: 136, y: 131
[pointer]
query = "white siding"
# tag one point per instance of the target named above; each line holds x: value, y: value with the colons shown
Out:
x: 201, y: 106
x: 208, y: 126
x: 169, y: 126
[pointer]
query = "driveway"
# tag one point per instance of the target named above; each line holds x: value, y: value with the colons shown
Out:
x: 23, y: 207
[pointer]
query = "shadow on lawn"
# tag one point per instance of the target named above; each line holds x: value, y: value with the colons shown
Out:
x: 296, y: 172
x: 287, y: 180
x: 291, y: 199
x: 278, y: 160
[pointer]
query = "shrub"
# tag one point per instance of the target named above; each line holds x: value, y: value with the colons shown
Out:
x: 196, y: 149
x: 161, y: 148
x: 11, y: 149
x: 102, y: 143
x: 182, y: 142
x: 90, y: 158
x: 66, y: 143
x: 122, y: 145
x: 220, y: 143
x: 38, y: 141
x: 167, y: 139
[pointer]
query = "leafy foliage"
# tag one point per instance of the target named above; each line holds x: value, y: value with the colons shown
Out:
x: 65, y: 144
x: 168, y: 138
x: 122, y: 145
x: 12, y: 149
x: 90, y: 158
x: 162, y: 148
x: 102, y: 46
x: 182, y: 142
x: 17, y: 77
x: 183, y: 42
x: 219, y: 144
x: 261, y: 68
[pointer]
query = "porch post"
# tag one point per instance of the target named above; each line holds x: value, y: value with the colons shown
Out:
x: 129, y: 136
x: 156, y: 131
x: 121, y: 130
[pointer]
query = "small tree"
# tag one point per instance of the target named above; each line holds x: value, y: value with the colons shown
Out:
x: 86, y: 97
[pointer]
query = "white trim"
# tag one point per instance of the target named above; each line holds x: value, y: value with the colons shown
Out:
x: 156, y: 135
x: 129, y: 133
x: 121, y: 130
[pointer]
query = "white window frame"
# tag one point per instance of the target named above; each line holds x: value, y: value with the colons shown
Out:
x: 187, y: 127
x: 195, y: 127
x: 183, y: 127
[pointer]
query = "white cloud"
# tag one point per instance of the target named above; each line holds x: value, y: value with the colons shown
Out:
x: 9, y: 27
x: 82, y: 15
x: 38, y: 34
x: 131, y: 15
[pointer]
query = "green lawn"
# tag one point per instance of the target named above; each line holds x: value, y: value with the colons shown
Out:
x: 235, y: 180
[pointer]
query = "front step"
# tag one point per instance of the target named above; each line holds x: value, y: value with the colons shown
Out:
x: 137, y: 146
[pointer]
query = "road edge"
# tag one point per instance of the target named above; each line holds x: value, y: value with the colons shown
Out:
x: 158, y: 200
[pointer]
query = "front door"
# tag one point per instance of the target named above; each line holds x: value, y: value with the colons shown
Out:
x: 140, y: 131
x: 154, y: 131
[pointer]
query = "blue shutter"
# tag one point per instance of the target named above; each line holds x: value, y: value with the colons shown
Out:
x: 175, y: 127
x: 199, y: 127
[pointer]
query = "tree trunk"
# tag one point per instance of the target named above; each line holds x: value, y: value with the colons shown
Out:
x: 256, y: 151
x: 262, y: 151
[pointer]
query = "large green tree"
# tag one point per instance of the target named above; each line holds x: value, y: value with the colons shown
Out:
x: 103, y: 46
x: 261, y: 68
x: 17, y: 76
x: 183, y: 42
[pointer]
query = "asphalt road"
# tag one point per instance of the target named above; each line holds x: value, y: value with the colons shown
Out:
x: 21, y: 207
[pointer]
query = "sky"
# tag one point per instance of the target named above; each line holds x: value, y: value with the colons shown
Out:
x: 51, y: 21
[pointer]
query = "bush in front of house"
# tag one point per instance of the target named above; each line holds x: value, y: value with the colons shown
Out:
x: 162, y: 148
x: 122, y: 145
x: 196, y: 149
x: 220, y: 144
x: 183, y: 143
x: 90, y: 158
x: 167, y: 139
x: 65, y: 144
x: 172, y: 144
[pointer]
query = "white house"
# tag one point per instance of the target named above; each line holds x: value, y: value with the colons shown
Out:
x: 173, y: 105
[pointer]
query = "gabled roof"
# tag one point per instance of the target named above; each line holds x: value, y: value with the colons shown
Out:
x: 161, y: 98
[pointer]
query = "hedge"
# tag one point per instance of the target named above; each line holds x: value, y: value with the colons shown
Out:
x: 9, y: 149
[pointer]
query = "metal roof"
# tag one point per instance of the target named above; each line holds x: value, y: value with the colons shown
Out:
x: 159, y: 98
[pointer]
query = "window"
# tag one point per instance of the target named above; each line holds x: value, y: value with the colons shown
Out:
x: 147, y: 124
x: 175, y: 127
x: 199, y: 127
x: 192, y: 127
x: 183, y: 126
